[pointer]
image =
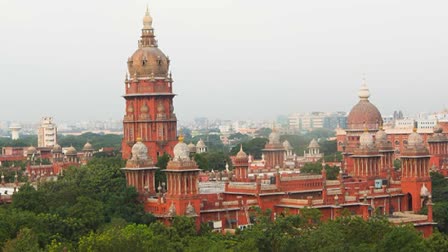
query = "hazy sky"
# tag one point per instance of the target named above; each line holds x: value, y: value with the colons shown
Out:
x: 230, y: 59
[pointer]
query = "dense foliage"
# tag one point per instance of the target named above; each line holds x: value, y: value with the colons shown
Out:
x: 83, y: 200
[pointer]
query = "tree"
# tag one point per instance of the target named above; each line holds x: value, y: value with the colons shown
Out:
x: 25, y: 241
x: 253, y: 147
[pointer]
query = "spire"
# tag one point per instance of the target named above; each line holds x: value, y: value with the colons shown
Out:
x: 147, y: 38
x: 364, y: 92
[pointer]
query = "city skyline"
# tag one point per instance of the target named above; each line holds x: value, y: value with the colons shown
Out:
x: 260, y: 62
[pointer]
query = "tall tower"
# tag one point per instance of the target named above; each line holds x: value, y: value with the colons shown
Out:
x: 241, y: 166
x: 149, y: 98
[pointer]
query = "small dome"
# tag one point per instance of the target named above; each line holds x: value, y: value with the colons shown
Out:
x: 71, y: 151
x: 381, y: 136
x: 241, y: 154
x: 274, y: 137
x: 139, y: 151
x: 192, y: 147
x: 31, y: 150
x: 366, y: 140
x: 200, y: 144
x: 287, y: 145
x: 87, y: 147
x: 57, y: 148
x: 181, y: 151
x: 415, y: 139
x: 313, y: 144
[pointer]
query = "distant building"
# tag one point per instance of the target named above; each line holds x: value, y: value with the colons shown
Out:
x: 47, y: 133
x: 15, y: 129
x: 317, y: 120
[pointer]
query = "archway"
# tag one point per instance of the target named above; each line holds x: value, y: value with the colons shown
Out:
x: 409, y: 196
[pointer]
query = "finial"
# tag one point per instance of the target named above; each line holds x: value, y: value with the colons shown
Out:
x: 147, y: 20
x: 139, y: 139
x: 364, y: 93
x: 365, y: 127
x: 181, y: 138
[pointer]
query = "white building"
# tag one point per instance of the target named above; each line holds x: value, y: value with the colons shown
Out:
x: 47, y: 133
x: 15, y: 129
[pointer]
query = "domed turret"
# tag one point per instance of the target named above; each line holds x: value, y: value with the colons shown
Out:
x: 416, y: 145
x: 87, y: 147
x: 313, y: 144
x: 31, y: 150
x: 148, y: 60
x: 71, y: 151
x: 364, y: 114
x: 57, y: 149
x: 287, y: 145
x: 241, y: 154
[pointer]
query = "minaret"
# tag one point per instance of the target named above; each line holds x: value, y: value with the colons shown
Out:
x: 149, y: 98
x: 415, y: 179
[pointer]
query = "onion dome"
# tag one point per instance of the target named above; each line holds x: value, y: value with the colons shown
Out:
x: 364, y: 114
x: 415, y: 139
x: 192, y: 147
x: 181, y: 151
x: 200, y: 144
x: 57, y: 149
x: 438, y: 135
x: 366, y: 140
x: 87, y: 147
x: 381, y: 140
x: 313, y: 144
x: 139, y: 151
x: 31, y: 150
x: 71, y: 151
x: 148, y: 60
x: 190, y: 210
x: 381, y: 135
x: 424, y: 192
x: 416, y: 145
x: 274, y: 137
x: 241, y: 154
x: 287, y: 145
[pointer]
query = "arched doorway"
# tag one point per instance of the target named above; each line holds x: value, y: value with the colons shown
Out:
x: 409, y: 196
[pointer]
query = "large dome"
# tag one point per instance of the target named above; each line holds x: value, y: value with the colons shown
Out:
x: 364, y: 114
x: 148, y: 61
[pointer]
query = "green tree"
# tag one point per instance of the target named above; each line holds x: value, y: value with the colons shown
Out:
x: 26, y: 241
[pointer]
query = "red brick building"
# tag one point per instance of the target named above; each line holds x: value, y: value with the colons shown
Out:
x: 367, y: 184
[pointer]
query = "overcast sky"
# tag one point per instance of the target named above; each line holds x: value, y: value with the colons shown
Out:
x: 240, y: 59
